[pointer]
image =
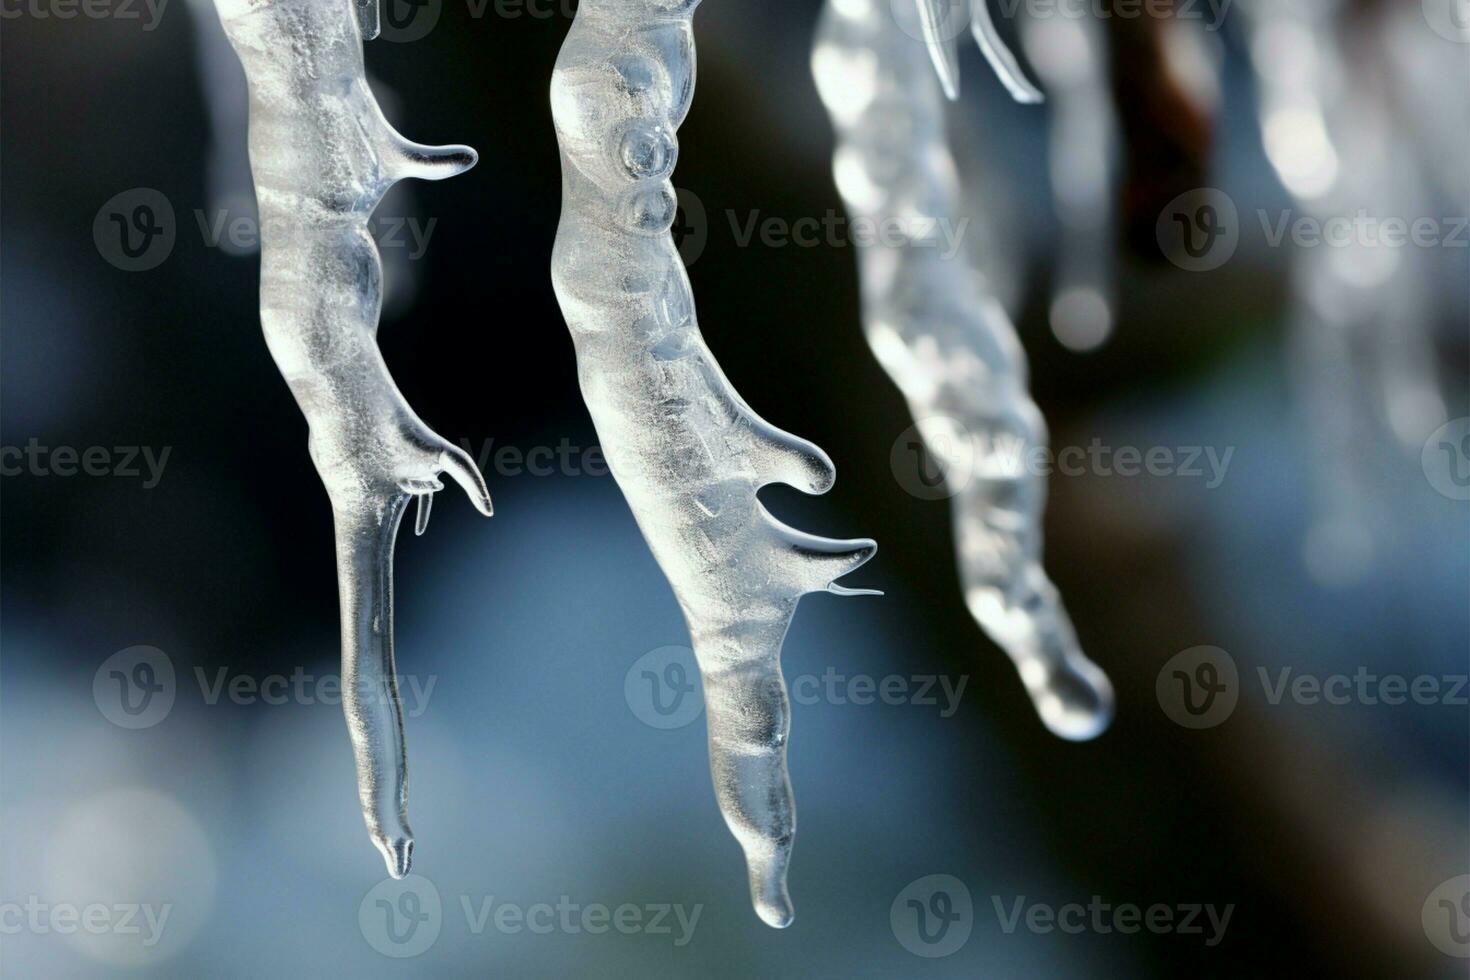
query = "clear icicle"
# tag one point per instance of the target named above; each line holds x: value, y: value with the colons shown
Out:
x: 227, y: 176
x: 687, y: 451
x: 323, y: 156
x: 951, y: 350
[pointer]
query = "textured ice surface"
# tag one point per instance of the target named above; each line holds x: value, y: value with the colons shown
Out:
x: 686, y: 450
x: 951, y: 350
x: 322, y: 156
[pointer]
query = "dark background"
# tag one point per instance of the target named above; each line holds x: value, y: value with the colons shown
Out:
x: 1325, y: 826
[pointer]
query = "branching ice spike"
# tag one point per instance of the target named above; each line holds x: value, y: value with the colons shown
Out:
x: 322, y: 156
x: 687, y: 451
x: 951, y: 350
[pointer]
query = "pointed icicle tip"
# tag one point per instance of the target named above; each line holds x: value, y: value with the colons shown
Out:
x: 461, y: 469
x: 1001, y: 60
x: 942, y: 49
x: 421, y: 519
x: 434, y: 162
x: 397, y: 854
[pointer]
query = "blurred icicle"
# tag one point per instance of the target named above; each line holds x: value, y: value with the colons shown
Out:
x: 322, y: 156
x: 951, y: 350
x: 1362, y: 335
x: 1070, y: 56
x: 686, y: 450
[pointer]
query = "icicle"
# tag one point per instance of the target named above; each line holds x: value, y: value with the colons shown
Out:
x: 227, y: 176
x: 951, y: 350
x: 687, y: 451
x: 1070, y: 56
x: 940, y: 38
x: 323, y: 156
x: 1361, y: 331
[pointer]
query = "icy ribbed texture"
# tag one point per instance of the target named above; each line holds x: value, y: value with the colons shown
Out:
x: 687, y: 451
x: 951, y: 350
x: 322, y: 156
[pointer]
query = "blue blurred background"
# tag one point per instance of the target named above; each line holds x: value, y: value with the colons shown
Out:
x: 1326, y: 827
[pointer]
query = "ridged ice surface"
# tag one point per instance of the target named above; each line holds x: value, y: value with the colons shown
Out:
x: 686, y: 450
x: 951, y: 350
x: 322, y: 156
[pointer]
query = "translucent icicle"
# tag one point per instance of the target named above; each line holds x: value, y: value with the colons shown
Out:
x: 951, y: 350
x: 687, y: 451
x: 227, y: 176
x: 322, y: 156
